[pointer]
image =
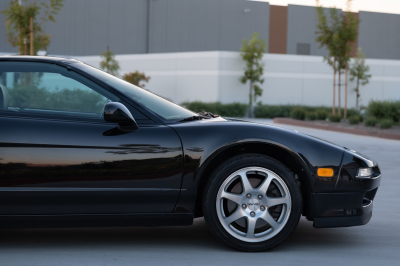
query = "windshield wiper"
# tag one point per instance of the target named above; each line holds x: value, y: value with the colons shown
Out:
x: 192, y: 118
x: 202, y: 115
x: 208, y: 114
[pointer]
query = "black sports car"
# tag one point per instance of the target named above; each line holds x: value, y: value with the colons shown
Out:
x: 82, y: 148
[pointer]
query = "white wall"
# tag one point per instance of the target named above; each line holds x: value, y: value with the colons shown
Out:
x: 289, y: 79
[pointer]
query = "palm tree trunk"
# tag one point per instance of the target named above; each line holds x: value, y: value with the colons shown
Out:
x: 339, y: 111
x: 334, y: 87
x: 345, y: 92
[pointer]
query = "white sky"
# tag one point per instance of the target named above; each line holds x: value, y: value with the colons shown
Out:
x: 383, y: 6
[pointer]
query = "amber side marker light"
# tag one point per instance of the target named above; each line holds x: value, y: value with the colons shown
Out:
x: 325, y: 172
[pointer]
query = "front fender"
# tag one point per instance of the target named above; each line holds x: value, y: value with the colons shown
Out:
x: 203, y: 140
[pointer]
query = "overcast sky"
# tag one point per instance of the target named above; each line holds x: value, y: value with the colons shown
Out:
x: 384, y: 6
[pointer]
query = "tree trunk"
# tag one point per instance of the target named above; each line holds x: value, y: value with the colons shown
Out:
x: 339, y: 111
x: 19, y: 41
x: 334, y: 87
x: 345, y: 93
x: 251, y: 99
x: 357, y: 94
x: 31, y: 44
x: 25, y: 46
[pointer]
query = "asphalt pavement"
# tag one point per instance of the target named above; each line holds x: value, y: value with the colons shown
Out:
x: 377, y: 243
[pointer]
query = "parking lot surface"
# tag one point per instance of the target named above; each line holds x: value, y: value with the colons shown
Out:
x: 377, y: 243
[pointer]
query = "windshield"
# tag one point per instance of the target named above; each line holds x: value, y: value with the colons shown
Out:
x: 162, y: 107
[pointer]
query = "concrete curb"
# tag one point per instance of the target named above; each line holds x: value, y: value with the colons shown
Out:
x: 293, y: 122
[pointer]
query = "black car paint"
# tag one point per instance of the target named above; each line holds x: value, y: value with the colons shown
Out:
x: 167, y: 163
x: 66, y: 167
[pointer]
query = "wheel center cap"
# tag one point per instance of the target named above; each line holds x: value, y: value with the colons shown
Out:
x: 253, y: 204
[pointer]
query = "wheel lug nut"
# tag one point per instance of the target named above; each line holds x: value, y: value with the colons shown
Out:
x: 259, y: 196
x: 262, y: 208
x: 252, y: 214
x: 244, y: 206
x: 248, y: 195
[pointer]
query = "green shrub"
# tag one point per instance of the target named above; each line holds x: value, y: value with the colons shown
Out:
x: 370, y: 121
x: 198, y: 106
x: 232, y: 109
x: 353, y: 120
x: 298, y: 113
x: 261, y: 110
x: 218, y: 108
x: 321, y: 114
x: 311, y: 116
x: 271, y: 111
x: 384, y: 110
x: 385, y: 123
x: 334, y: 118
x: 351, y: 112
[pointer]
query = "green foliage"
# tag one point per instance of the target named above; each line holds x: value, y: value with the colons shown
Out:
x: 384, y: 110
x: 321, y: 114
x: 228, y: 110
x: 337, y: 34
x: 334, y: 118
x: 252, y: 53
x: 75, y: 100
x: 135, y: 78
x: 353, y: 120
x: 352, y: 112
x: 311, y: 116
x: 385, y: 123
x: 271, y: 111
x: 260, y: 110
x: 327, y: 33
x: 108, y: 63
x: 298, y: 113
x: 18, y: 22
x: 371, y: 121
x: 358, y: 72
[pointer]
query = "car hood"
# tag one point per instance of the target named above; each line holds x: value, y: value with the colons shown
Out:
x: 282, y: 128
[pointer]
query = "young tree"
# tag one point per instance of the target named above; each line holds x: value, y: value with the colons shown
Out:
x: 18, y: 23
x: 337, y: 35
x: 109, y: 64
x: 252, y: 53
x: 327, y: 37
x: 348, y: 35
x: 135, y: 78
x: 359, y: 72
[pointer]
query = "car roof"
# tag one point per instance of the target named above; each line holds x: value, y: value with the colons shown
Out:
x: 34, y: 58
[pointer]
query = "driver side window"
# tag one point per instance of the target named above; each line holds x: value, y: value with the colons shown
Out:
x: 42, y: 88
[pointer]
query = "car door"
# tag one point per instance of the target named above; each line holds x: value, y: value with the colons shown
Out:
x: 58, y: 156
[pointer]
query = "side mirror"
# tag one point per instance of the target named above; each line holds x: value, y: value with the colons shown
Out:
x: 117, y: 113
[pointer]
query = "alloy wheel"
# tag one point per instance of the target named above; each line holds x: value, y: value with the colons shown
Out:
x: 253, y: 204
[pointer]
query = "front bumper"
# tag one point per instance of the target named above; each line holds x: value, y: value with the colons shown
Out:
x: 343, y: 209
x: 351, y: 202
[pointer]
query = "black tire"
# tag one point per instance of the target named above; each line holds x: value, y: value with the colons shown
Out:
x: 221, y: 173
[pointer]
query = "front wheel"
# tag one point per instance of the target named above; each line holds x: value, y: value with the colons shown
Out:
x: 252, y: 202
